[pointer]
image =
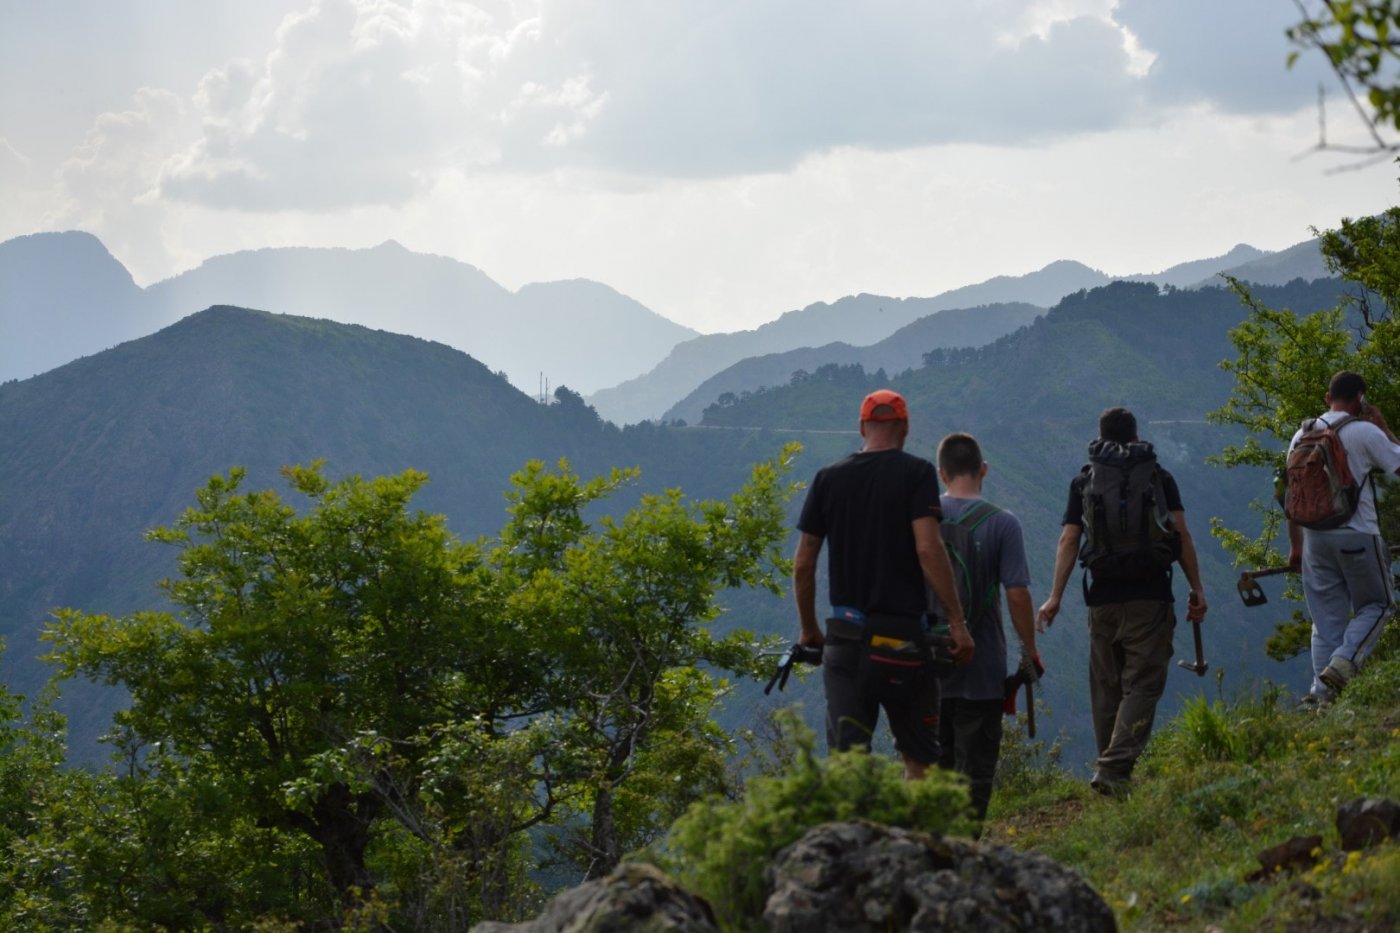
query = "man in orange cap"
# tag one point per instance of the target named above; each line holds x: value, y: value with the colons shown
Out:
x: 879, y: 508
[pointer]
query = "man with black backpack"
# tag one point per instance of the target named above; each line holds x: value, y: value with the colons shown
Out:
x: 988, y: 553
x: 1333, y: 533
x: 1127, y: 510
x: 879, y: 509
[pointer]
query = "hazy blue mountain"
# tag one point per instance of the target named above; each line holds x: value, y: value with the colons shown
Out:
x: 62, y: 296
x: 904, y: 349
x: 580, y: 334
x: 1300, y: 261
x: 866, y: 319
x: 1203, y: 272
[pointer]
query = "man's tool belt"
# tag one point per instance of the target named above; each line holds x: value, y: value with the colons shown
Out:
x: 897, y: 653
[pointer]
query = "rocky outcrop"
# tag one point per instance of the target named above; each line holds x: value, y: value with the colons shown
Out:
x: 862, y: 876
x: 846, y: 878
x: 635, y: 897
x: 1367, y: 821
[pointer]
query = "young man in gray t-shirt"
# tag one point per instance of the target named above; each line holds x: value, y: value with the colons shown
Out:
x: 970, y: 713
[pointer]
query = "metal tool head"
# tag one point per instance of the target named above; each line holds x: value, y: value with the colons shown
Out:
x: 1200, y: 668
x: 1250, y: 590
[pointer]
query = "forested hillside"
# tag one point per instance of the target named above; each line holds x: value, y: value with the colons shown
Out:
x: 100, y: 450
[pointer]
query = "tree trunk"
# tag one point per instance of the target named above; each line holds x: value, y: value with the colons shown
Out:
x: 342, y: 822
x: 603, y: 842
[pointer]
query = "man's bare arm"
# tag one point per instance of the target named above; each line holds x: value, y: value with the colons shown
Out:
x: 1021, y: 608
x: 1196, y: 608
x: 1065, y: 552
x: 804, y: 588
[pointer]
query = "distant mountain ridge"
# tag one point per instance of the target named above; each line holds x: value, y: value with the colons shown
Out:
x: 866, y: 319
x: 904, y: 349
x: 581, y: 334
x: 63, y: 296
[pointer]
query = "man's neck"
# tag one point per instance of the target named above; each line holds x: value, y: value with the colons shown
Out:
x: 963, y: 487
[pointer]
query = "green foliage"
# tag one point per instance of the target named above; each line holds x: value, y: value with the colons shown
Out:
x: 1252, y: 727
x: 1028, y: 768
x: 716, y: 849
x: 377, y: 714
x: 1290, y: 638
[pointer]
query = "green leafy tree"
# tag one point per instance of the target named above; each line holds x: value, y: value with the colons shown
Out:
x: 1284, y: 362
x: 297, y: 635
x: 625, y: 612
x: 348, y: 682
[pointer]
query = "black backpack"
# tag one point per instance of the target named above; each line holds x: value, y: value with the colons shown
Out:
x: 977, y: 589
x: 1128, y: 532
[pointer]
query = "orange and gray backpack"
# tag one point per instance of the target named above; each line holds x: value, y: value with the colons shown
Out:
x: 1321, y: 490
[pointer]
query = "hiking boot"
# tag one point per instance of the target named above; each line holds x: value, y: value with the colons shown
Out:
x: 1313, y: 702
x: 1110, y: 785
x: 1336, y: 674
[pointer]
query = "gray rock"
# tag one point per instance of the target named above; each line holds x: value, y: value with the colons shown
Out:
x: 1367, y: 821
x: 635, y: 898
x: 862, y: 876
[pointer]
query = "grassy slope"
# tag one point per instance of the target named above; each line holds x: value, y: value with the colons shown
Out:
x: 1220, y: 783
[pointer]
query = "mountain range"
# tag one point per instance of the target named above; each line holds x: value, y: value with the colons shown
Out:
x: 63, y: 295
x: 863, y: 320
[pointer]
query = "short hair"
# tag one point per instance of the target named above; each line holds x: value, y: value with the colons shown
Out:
x: 1118, y: 424
x: 959, y: 454
x: 1346, y: 386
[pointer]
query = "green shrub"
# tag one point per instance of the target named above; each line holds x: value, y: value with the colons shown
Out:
x: 719, y: 848
x: 1029, y: 767
x: 1206, y: 729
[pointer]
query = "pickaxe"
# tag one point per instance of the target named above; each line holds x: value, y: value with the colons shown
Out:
x: 1012, y: 686
x: 1200, y: 666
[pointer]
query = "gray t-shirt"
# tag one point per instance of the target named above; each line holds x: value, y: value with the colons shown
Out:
x: 1001, y: 541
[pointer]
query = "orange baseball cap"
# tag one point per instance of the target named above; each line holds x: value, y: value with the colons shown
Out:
x: 884, y: 398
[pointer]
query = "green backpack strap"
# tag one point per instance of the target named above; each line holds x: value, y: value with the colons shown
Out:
x: 982, y: 509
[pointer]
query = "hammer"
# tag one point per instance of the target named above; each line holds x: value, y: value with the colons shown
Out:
x: 1200, y: 666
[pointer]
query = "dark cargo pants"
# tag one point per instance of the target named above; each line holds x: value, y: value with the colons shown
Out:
x: 1130, y: 652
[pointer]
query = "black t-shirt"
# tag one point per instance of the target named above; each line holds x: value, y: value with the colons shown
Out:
x: 1158, y: 586
x: 864, y: 507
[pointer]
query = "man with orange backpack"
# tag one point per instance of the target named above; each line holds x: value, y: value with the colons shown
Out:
x: 1333, y: 533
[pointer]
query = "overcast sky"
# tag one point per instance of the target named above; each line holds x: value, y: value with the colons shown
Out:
x: 721, y: 162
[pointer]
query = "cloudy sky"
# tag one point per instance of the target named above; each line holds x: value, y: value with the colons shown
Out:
x: 721, y: 161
